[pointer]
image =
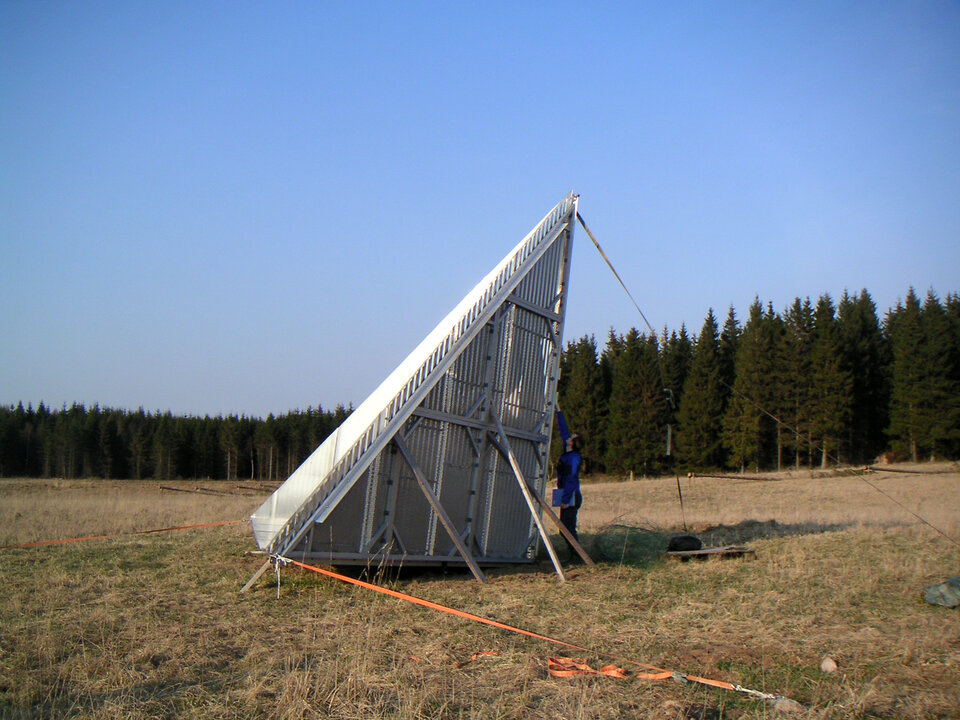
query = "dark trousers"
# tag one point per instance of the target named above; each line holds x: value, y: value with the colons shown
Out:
x: 568, y: 516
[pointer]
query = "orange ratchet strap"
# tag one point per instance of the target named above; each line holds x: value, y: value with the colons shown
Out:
x: 556, y: 666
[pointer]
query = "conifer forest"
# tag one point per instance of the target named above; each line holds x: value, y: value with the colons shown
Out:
x: 814, y: 385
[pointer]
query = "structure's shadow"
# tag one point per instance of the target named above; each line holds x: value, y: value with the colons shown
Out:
x: 393, y: 573
x: 639, y: 546
x: 617, y: 544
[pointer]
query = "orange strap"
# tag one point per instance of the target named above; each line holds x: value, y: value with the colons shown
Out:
x: 116, y: 535
x: 431, y: 605
x: 466, y: 615
x: 569, y: 667
x: 556, y: 666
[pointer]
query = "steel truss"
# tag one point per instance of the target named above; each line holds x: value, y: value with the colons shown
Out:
x: 446, y: 462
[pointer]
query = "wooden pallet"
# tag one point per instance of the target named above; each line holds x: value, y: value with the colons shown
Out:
x: 728, y: 551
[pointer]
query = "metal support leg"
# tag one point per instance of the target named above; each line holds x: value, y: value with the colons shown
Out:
x: 563, y: 529
x: 553, y: 516
x: 256, y: 576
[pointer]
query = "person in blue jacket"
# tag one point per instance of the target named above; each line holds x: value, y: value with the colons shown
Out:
x: 568, y: 480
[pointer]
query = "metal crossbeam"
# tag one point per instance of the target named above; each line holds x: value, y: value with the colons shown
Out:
x: 477, y: 424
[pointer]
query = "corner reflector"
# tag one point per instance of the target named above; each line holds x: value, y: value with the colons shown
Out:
x: 418, y: 473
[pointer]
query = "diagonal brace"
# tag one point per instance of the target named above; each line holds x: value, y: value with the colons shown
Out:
x: 438, y: 509
x: 553, y: 516
x: 527, y: 495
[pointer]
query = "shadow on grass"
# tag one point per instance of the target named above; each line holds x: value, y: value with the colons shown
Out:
x: 641, y: 547
x: 749, y: 530
x: 626, y: 545
x: 616, y: 544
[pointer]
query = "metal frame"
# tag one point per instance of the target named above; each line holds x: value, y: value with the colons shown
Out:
x: 445, y: 462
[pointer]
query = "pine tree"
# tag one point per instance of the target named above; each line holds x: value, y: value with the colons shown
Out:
x: 749, y: 431
x: 164, y: 447
x: 230, y: 443
x: 906, y: 336
x: 831, y: 397
x: 700, y: 417
x: 9, y: 447
x: 865, y: 357
x: 583, y: 400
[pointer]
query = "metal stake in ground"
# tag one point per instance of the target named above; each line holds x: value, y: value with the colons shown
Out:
x: 683, y: 517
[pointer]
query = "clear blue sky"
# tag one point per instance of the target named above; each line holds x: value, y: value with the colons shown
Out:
x: 254, y: 207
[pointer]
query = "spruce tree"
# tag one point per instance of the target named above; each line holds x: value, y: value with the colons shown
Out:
x: 906, y: 337
x: 952, y: 309
x: 831, y: 397
x: 793, y: 395
x: 865, y: 357
x: 677, y: 355
x: 583, y: 400
x: 700, y: 417
x: 636, y: 438
x: 939, y: 411
x: 729, y: 343
x: 749, y: 431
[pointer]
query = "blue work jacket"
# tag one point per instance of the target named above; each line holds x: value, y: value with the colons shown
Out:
x: 568, y: 467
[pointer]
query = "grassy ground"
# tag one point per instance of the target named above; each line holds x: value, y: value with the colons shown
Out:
x: 153, y: 626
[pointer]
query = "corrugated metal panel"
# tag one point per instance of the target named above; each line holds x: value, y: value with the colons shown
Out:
x: 357, y: 498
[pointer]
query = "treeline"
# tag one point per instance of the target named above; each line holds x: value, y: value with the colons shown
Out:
x: 813, y: 385
x: 77, y: 441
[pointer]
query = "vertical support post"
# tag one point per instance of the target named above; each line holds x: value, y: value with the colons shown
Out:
x: 480, y: 470
x: 390, y: 504
x: 553, y: 368
x: 515, y: 464
x: 438, y: 509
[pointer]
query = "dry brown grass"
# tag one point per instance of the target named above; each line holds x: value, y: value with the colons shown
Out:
x: 153, y: 626
x: 826, y: 500
x: 36, y: 510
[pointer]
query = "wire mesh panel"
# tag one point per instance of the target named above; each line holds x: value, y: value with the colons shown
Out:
x: 420, y: 456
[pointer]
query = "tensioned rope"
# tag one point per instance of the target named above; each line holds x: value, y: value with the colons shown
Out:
x: 558, y: 667
x: 42, y: 543
x: 744, y: 397
x: 663, y: 381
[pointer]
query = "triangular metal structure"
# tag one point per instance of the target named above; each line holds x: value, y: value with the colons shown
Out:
x: 428, y: 469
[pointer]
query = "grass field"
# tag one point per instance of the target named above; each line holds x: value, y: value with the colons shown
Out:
x: 151, y: 626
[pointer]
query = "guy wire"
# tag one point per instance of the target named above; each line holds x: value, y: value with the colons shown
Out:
x: 663, y: 381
